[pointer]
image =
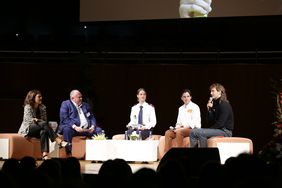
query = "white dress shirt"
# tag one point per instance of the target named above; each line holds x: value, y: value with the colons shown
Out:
x: 149, y: 115
x: 189, y: 116
x: 82, y: 118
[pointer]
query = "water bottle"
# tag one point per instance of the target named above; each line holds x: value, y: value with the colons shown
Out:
x: 150, y: 135
x: 125, y: 135
x: 140, y: 136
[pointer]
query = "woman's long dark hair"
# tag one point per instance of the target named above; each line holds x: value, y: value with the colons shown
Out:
x: 30, y: 97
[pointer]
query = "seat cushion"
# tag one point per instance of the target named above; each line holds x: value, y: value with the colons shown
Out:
x: 214, y: 141
x: 186, y: 143
x: 20, y: 146
x: 231, y: 146
x: 78, y: 148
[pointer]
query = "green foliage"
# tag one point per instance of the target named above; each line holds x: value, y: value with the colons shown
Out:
x: 277, y: 93
x: 134, y: 136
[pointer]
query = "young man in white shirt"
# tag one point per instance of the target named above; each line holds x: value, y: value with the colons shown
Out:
x: 142, y: 116
x: 189, y: 117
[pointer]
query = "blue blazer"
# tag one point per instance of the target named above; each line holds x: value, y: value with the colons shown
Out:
x: 69, y: 115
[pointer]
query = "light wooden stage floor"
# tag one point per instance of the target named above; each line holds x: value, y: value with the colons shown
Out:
x: 87, y: 167
x: 93, y: 168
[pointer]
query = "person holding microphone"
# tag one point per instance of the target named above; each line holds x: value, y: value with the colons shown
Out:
x: 219, y: 116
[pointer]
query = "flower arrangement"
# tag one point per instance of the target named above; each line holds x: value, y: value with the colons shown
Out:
x: 101, y: 136
x: 134, y: 136
x: 271, y: 153
x: 277, y: 91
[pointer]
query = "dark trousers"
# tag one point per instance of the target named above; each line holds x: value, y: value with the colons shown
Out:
x: 69, y: 132
x: 42, y: 131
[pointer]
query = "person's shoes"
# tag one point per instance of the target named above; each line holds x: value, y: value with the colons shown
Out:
x: 68, y: 155
x: 96, y: 161
x: 61, y: 142
x: 45, y: 157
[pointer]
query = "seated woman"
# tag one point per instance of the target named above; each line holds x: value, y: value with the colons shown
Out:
x: 142, y: 116
x: 35, y: 124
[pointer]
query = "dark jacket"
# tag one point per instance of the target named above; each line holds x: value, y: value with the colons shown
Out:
x: 69, y: 115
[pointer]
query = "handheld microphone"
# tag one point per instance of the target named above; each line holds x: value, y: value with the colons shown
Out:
x: 210, y: 103
x: 210, y: 99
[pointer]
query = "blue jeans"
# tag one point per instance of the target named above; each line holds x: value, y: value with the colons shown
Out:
x: 200, y: 136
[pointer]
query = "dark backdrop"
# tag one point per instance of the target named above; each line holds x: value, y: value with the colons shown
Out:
x: 111, y: 89
x: 44, y: 46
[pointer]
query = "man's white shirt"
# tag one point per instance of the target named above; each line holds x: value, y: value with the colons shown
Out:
x: 149, y: 115
x: 82, y: 118
x: 189, y: 116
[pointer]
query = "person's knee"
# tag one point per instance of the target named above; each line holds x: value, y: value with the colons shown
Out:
x: 169, y: 134
x: 195, y: 132
x: 179, y: 132
x: 98, y: 130
x: 67, y: 131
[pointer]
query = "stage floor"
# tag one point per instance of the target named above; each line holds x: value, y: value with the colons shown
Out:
x: 93, y: 168
x: 87, y: 167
